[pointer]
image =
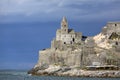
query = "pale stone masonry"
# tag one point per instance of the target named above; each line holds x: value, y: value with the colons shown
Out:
x: 64, y: 35
x: 70, y: 48
x: 72, y: 54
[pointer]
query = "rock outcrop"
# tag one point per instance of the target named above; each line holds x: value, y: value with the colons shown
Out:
x: 73, y: 54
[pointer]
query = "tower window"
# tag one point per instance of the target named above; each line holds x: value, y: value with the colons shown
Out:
x: 65, y: 29
x: 65, y: 25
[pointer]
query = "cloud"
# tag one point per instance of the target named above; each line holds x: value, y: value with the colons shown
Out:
x: 9, y: 7
x: 40, y: 10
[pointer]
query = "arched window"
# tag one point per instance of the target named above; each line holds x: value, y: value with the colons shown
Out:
x: 73, y: 39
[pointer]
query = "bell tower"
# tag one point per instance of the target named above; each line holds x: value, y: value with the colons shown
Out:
x: 64, y: 25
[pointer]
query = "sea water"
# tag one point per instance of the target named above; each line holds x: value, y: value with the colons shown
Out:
x: 22, y: 75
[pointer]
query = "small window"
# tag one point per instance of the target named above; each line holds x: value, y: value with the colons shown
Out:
x: 115, y: 24
x: 116, y: 43
x: 64, y: 42
x: 73, y: 39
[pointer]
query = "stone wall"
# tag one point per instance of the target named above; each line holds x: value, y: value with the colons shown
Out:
x: 112, y: 27
x: 57, y: 57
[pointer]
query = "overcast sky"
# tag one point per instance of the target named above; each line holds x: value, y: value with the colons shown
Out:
x: 26, y: 26
x: 44, y: 10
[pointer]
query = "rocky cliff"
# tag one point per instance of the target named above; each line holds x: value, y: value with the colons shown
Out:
x: 80, y: 52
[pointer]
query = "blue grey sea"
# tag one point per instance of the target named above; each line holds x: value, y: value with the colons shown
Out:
x: 22, y: 75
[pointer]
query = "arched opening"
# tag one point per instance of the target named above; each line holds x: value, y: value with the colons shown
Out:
x: 73, y: 40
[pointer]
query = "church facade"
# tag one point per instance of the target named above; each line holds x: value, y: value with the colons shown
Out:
x: 66, y: 36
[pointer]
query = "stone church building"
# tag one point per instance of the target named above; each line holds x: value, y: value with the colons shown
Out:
x: 65, y: 36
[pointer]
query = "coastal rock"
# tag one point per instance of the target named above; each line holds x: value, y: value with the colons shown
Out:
x: 73, y: 54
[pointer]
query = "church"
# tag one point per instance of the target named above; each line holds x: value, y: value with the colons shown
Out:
x: 65, y: 36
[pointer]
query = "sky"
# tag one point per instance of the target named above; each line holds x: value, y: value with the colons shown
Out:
x: 27, y: 26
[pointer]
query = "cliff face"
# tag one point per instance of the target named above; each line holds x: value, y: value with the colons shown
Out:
x: 72, y: 50
x: 108, y: 43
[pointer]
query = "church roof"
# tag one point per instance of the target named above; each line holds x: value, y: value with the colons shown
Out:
x: 58, y: 31
x: 71, y: 31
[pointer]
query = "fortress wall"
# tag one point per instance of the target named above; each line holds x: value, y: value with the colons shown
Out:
x: 63, y: 58
x: 113, y: 27
x: 64, y: 53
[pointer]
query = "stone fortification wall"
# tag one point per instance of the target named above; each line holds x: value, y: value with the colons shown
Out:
x: 57, y: 57
x: 69, y: 48
x: 111, y: 27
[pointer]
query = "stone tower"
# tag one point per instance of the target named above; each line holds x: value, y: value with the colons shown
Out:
x: 64, y: 35
x: 64, y: 26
